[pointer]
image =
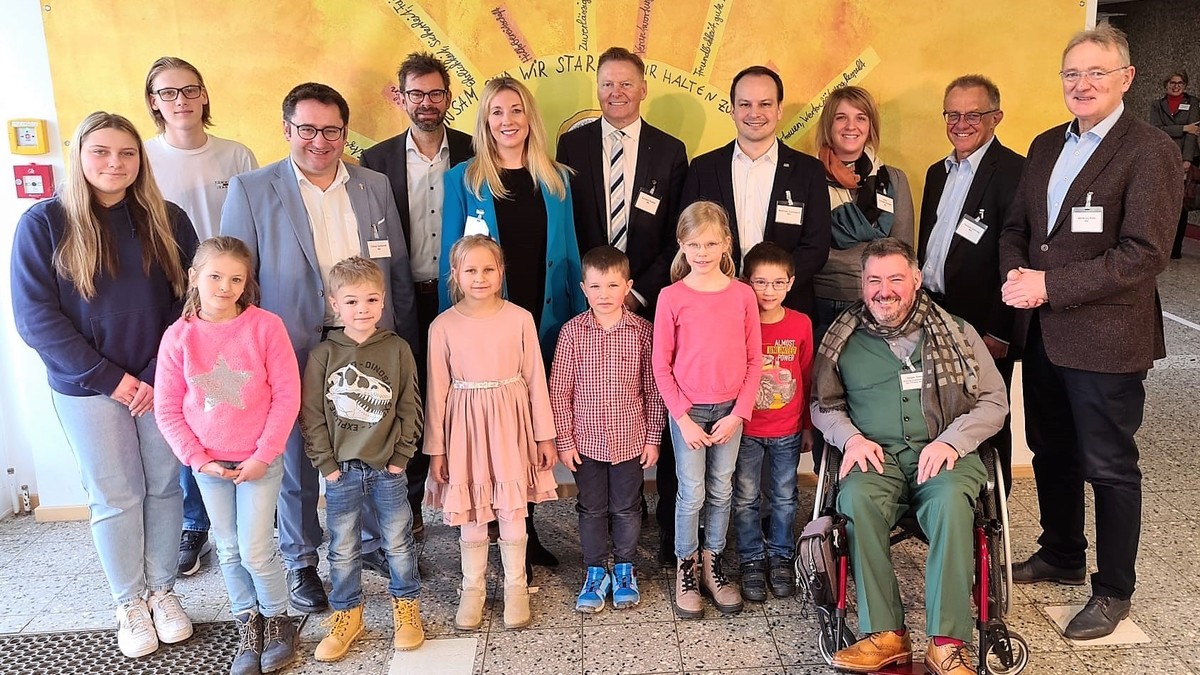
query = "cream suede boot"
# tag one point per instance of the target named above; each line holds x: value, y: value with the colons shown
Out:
x: 474, y: 586
x: 516, y: 588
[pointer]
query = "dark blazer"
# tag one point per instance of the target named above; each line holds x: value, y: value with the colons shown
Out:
x: 972, y: 271
x: 1161, y: 117
x: 650, y: 243
x: 711, y: 178
x: 1103, y: 313
x: 389, y: 157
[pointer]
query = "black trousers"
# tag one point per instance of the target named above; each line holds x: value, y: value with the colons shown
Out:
x: 1180, y: 233
x: 1002, y: 441
x: 1080, y: 427
x: 668, y: 486
x: 418, y: 466
x: 609, y: 491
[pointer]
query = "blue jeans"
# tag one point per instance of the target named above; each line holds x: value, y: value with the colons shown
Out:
x: 242, y: 519
x: 132, y: 481
x: 705, y: 480
x: 345, y: 500
x: 781, y: 455
x: 195, y: 518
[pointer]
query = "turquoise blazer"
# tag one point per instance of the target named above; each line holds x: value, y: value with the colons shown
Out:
x: 564, y: 297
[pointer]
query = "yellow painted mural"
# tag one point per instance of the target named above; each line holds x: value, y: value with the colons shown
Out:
x: 252, y: 53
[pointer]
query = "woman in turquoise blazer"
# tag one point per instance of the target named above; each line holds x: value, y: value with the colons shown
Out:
x: 514, y: 192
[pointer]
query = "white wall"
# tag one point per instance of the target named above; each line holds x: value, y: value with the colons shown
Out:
x: 31, y: 439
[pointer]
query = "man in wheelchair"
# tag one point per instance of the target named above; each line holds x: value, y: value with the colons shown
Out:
x: 908, y: 391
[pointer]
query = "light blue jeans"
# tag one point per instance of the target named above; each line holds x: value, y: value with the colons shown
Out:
x: 705, y: 480
x: 242, y: 518
x: 132, y: 481
x: 346, y: 499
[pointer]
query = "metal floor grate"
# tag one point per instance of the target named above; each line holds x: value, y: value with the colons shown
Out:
x: 209, y: 650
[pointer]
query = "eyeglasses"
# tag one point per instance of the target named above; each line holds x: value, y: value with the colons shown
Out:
x: 415, y: 96
x: 172, y: 93
x: 709, y: 247
x: 309, y: 132
x: 972, y: 118
x: 1175, y: 83
x: 763, y: 284
x: 1073, y: 76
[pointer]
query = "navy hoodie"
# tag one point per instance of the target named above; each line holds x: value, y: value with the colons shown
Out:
x: 89, y: 345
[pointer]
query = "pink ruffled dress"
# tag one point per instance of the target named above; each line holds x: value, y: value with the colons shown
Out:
x: 487, y: 406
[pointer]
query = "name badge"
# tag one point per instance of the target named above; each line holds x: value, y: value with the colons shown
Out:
x: 971, y: 229
x: 885, y: 203
x: 476, y: 225
x: 379, y: 248
x: 1087, y: 219
x: 647, y: 202
x: 1185, y: 106
x: 911, y: 380
x: 789, y: 214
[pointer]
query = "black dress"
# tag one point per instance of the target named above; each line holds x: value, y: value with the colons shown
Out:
x: 521, y: 221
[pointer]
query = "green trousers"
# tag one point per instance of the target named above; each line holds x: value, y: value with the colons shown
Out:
x: 945, y: 507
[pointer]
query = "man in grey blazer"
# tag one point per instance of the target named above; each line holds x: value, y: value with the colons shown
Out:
x: 299, y: 216
x: 1090, y: 229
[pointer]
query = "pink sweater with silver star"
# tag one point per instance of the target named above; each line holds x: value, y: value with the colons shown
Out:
x: 227, y: 391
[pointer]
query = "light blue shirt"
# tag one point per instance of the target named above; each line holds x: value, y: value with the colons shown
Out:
x: 1075, y: 154
x: 959, y: 176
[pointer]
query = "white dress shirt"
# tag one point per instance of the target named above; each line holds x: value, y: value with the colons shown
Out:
x: 752, y: 183
x: 334, y: 227
x: 630, y: 140
x: 426, y: 191
x: 959, y: 176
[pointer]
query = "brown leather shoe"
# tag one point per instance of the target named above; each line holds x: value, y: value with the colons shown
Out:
x: 713, y: 583
x: 875, y: 651
x: 950, y: 659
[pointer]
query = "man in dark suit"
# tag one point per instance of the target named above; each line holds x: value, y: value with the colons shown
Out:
x: 415, y: 162
x: 967, y: 197
x: 1090, y: 229
x: 771, y: 192
x: 625, y: 191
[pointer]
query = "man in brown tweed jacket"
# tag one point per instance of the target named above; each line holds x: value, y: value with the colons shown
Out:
x: 1090, y: 228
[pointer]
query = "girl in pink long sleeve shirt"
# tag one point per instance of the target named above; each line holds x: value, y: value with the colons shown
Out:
x: 707, y: 363
x: 227, y: 396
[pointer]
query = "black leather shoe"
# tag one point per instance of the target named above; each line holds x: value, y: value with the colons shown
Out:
x: 1099, y: 617
x: 754, y: 580
x: 376, y: 561
x: 305, y: 590
x: 535, y: 553
x: 1035, y: 569
x: 782, y: 577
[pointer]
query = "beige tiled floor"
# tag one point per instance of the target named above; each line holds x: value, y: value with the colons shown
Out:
x: 51, y: 579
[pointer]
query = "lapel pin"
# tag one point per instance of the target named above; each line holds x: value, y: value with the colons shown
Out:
x: 360, y: 186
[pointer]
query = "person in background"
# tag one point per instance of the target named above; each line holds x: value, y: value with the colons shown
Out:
x: 192, y: 168
x: 1178, y: 114
x: 514, y: 192
x: 98, y: 274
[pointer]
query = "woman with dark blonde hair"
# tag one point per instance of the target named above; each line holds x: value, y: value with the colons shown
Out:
x: 514, y: 192
x: 98, y: 273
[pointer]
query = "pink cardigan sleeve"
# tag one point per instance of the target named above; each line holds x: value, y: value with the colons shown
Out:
x: 170, y: 388
x: 743, y: 407
x: 663, y: 359
x: 534, y: 370
x: 283, y: 377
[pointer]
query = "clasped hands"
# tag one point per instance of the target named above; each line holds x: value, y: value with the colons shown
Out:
x: 1024, y: 288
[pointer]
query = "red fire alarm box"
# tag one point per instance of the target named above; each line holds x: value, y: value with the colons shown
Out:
x: 34, y: 181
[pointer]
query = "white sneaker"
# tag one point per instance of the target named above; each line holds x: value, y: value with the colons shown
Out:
x: 170, y: 621
x: 135, y: 630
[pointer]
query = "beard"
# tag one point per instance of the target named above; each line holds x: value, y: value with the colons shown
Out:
x: 889, y: 315
x: 426, y: 124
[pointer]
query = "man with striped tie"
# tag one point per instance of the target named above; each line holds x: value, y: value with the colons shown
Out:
x: 626, y: 188
x: 772, y: 192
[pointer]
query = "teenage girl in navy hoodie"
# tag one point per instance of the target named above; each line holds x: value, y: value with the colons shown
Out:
x: 98, y: 273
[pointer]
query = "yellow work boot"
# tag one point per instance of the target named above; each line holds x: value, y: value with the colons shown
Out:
x: 406, y: 617
x: 345, y: 626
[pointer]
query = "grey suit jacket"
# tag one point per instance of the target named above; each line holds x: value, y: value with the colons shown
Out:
x: 1103, y: 313
x: 265, y: 210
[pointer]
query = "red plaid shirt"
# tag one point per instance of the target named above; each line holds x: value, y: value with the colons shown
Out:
x: 606, y: 404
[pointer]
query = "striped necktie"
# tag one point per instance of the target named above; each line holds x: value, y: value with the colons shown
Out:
x: 617, y: 225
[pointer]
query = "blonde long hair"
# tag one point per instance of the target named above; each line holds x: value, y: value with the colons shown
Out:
x: 459, y: 251
x: 486, y: 166
x: 87, y: 248
x: 207, y: 250
x: 697, y: 218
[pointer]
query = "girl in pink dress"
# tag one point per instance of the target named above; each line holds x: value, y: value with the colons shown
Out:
x: 489, y: 430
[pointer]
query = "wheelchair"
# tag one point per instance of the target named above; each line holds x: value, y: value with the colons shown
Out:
x: 1001, y: 651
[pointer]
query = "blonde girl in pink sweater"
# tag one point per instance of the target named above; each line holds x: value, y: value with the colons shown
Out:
x: 227, y: 395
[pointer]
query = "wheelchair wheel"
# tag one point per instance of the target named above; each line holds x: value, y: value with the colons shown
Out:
x: 827, y: 644
x: 1017, y: 658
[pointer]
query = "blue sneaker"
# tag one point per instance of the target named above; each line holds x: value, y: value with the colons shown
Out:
x: 595, y: 589
x: 625, y: 588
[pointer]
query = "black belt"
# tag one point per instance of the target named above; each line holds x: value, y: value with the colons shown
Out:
x: 427, y: 287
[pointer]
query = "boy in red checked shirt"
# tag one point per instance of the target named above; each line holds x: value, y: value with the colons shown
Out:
x: 609, y: 418
x: 778, y: 432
